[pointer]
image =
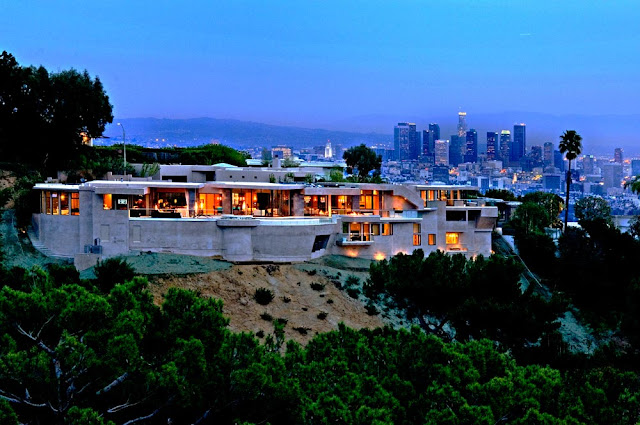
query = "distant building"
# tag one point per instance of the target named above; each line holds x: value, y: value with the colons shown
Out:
x: 441, y: 152
x: 471, y: 153
x: 612, y: 174
x: 505, y: 146
x: 552, y: 181
x: 635, y: 167
x: 547, y: 155
x: 462, y: 124
x: 457, y: 150
x: 405, y: 141
x: 588, y: 164
x: 492, y: 139
x: 281, y: 152
x: 328, y: 152
x: 519, y: 144
x: 536, y: 156
x: 440, y: 174
x: 617, y: 155
x: 558, y: 160
x: 429, y: 138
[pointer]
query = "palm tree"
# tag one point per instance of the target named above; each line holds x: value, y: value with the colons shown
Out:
x: 571, y: 146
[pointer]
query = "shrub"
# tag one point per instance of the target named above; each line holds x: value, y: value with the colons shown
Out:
x: 281, y: 321
x: 266, y: 316
x: 263, y: 296
x: 352, y: 281
x: 260, y: 334
x: 286, y: 299
x: 112, y: 271
x: 302, y: 330
x: 312, y: 272
x: 316, y: 286
x: 353, y: 292
x: 322, y: 315
x: 329, y: 301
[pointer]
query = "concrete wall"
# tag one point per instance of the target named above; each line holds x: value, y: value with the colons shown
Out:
x: 289, y: 243
x: 185, y: 236
x: 59, y: 233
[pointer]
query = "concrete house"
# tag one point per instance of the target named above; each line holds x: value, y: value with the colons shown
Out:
x: 238, y: 215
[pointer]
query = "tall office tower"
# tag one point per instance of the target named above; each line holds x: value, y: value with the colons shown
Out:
x: 457, y: 150
x: 588, y: 164
x: 505, y: 146
x: 429, y: 138
x: 635, y: 167
x: 328, y: 152
x: 402, y: 136
x: 471, y: 154
x: 462, y: 124
x: 415, y: 144
x: 492, y: 138
x: 441, y: 152
x: 558, y: 160
x: 617, y: 155
x: 536, y: 156
x: 612, y: 174
x: 519, y: 144
x: 548, y: 154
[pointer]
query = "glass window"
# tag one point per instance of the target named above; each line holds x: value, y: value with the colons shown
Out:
x: 107, y: 201
x: 452, y: 238
x: 55, y: 203
x: 387, y: 229
x: 417, y: 236
x: 122, y: 202
x: 64, y: 203
x: 47, y: 201
x: 375, y: 229
x: 432, y: 239
x: 75, y: 203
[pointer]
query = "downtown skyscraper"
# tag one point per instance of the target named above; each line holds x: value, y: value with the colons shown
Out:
x: 519, y: 144
x: 492, y: 140
x: 406, y: 141
x: 462, y: 124
x: 471, y: 154
x: 505, y: 147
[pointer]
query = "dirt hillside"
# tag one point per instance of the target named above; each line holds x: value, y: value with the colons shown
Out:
x: 307, y: 310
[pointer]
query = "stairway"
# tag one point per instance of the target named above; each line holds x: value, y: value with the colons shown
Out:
x: 39, y: 246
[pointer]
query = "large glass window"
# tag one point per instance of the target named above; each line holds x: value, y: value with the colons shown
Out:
x: 64, y: 203
x: 209, y: 204
x: 452, y: 238
x: 417, y: 235
x: 315, y: 205
x: 432, y: 239
x: 107, y: 201
x: 75, y: 203
x: 55, y: 203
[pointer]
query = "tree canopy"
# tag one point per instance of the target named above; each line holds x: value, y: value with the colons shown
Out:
x: 362, y: 158
x: 44, y: 116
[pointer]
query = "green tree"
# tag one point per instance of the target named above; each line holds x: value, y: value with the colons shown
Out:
x: 529, y: 218
x: 53, y: 111
x: 593, y: 208
x: 571, y: 146
x: 504, y: 194
x: 363, y: 159
x: 551, y: 202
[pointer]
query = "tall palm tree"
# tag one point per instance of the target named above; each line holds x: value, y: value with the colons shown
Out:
x: 571, y: 146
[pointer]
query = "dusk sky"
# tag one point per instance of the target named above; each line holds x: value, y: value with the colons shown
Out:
x: 315, y: 63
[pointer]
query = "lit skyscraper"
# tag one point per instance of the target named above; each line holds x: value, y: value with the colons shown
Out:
x: 462, y: 124
x: 536, y: 156
x: 617, y: 155
x: 441, y: 152
x: 328, y: 152
x: 429, y: 139
x: 588, y: 164
x: 505, y: 146
x: 405, y: 141
x: 492, y: 138
x: 519, y: 144
x: 471, y: 154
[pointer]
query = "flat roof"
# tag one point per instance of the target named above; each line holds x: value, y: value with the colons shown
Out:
x: 142, y: 184
x: 444, y: 187
x: 256, y: 185
x: 56, y: 186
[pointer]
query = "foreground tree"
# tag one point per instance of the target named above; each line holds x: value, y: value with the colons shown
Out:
x: 571, y: 146
x: 593, y: 208
x: 54, y: 112
x: 362, y: 158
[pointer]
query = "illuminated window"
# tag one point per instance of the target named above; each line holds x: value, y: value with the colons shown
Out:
x: 75, y: 203
x: 417, y: 237
x: 432, y: 239
x: 453, y: 238
x: 387, y: 229
x: 64, y: 203
x: 107, y: 201
x: 375, y: 229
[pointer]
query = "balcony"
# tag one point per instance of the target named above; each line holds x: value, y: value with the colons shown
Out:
x: 354, y: 239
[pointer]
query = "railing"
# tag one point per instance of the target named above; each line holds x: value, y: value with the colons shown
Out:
x: 348, y: 239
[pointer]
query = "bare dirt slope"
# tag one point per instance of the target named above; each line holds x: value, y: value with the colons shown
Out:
x: 295, y: 300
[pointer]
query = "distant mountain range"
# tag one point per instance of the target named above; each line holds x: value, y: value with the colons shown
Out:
x: 601, y: 133
x: 234, y: 133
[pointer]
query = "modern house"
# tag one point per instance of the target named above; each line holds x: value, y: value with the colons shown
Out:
x: 240, y: 215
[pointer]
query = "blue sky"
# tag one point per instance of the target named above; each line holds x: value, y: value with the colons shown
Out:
x: 316, y: 63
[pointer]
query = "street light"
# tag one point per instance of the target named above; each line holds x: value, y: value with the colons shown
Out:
x: 124, y: 144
